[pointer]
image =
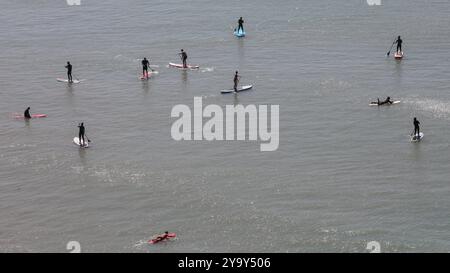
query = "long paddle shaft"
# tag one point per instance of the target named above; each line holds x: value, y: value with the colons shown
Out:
x: 389, y: 52
x: 87, y: 138
x: 75, y: 78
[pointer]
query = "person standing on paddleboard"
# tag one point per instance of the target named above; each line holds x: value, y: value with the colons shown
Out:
x: 81, y: 134
x: 236, y: 81
x: 240, y: 25
x: 69, y: 71
x: 416, y: 127
x: 184, y: 57
x: 145, y: 66
x: 26, y: 114
x: 399, y: 44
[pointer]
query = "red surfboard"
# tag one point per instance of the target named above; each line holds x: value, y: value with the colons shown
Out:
x: 155, y: 240
x: 146, y: 77
x: 398, y: 55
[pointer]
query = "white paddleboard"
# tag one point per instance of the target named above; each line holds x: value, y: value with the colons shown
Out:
x: 416, y: 139
x: 181, y: 66
x: 76, y: 140
x: 66, y: 80
x: 387, y: 104
x: 239, y: 89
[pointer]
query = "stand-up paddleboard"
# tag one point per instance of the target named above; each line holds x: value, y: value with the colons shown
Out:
x: 239, y: 33
x: 398, y: 55
x: 147, y: 76
x: 414, y: 138
x: 239, y: 89
x: 76, y: 140
x: 181, y: 66
x: 32, y: 116
x: 66, y: 80
x: 155, y: 240
x: 374, y: 103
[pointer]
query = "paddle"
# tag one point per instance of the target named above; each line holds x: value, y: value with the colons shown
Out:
x: 75, y: 78
x: 389, y: 52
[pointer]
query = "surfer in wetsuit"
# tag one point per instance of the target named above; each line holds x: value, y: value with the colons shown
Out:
x: 26, y: 114
x: 236, y: 81
x: 416, y: 127
x: 69, y: 71
x: 162, y: 237
x: 240, y: 25
x: 388, y: 100
x: 184, y: 57
x: 81, y: 134
x: 399, y: 44
x: 145, y: 66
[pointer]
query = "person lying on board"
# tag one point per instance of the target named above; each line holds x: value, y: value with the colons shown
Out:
x: 388, y: 100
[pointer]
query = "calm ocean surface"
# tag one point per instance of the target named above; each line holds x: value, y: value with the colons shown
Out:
x: 343, y: 175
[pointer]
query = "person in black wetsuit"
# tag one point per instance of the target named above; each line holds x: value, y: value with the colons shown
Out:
x: 26, y: 114
x: 388, y: 100
x: 236, y: 81
x: 416, y: 127
x: 184, y: 57
x: 399, y: 44
x: 69, y: 71
x: 81, y: 134
x: 240, y: 25
x: 162, y: 237
x: 145, y: 66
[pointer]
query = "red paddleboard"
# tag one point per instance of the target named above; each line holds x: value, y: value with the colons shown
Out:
x: 398, y: 55
x: 32, y: 116
x: 181, y: 66
x: 155, y: 240
x: 147, y: 76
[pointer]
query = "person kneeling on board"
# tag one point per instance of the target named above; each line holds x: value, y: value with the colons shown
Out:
x: 388, y: 100
x: 26, y: 114
x: 416, y: 127
x: 81, y: 134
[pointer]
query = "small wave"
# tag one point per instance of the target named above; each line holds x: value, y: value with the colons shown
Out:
x: 207, y: 69
x: 140, y: 243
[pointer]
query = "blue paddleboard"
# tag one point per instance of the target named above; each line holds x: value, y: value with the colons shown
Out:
x: 240, y: 33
